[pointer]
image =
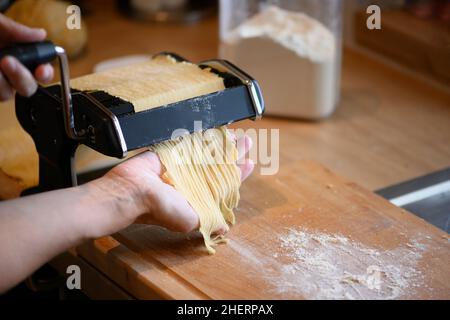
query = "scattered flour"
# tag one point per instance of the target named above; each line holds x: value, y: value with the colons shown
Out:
x: 323, y: 266
x: 319, y: 265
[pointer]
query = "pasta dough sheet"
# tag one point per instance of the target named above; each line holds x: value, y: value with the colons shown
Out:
x: 202, y: 166
x: 157, y: 82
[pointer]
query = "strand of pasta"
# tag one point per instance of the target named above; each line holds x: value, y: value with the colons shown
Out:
x: 205, y: 172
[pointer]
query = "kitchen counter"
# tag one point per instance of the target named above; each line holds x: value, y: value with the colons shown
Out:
x: 388, y: 127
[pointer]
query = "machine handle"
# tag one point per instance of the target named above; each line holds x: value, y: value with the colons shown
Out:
x: 35, y: 53
x: 31, y: 54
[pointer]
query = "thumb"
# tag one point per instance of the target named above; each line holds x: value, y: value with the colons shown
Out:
x: 11, y: 31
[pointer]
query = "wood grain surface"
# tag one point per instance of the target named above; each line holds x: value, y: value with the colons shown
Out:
x: 303, y: 233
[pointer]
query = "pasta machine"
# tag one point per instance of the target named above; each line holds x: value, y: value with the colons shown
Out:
x: 59, y: 119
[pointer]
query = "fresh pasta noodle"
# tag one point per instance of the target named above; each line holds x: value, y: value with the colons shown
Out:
x: 204, y: 170
x: 157, y: 82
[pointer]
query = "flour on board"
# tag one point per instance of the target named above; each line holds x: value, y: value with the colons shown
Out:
x: 317, y: 265
x: 325, y: 266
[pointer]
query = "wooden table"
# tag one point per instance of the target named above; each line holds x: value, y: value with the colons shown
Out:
x: 387, y: 128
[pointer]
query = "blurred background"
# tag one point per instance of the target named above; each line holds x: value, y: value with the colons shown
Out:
x: 303, y: 39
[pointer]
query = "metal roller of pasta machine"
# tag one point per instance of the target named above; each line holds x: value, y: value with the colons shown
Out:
x: 59, y: 119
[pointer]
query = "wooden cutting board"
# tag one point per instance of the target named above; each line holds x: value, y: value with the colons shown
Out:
x: 304, y: 233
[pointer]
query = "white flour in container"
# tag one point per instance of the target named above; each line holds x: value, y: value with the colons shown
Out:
x: 292, y: 56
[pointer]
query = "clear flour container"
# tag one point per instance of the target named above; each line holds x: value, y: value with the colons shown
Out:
x: 293, y: 49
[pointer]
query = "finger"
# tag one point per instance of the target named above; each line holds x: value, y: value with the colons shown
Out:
x: 243, y: 145
x: 171, y: 210
x: 150, y: 160
x: 246, y: 168
x: 16, y: 32
x: 18, y: 76
x: 6, y: 92
x: 44, y: 73
x: 180, y: 216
